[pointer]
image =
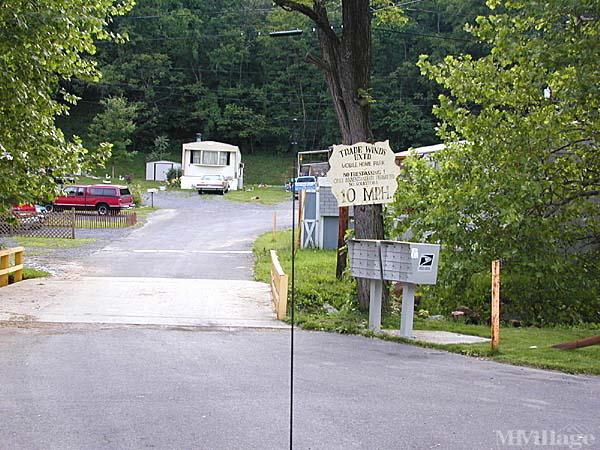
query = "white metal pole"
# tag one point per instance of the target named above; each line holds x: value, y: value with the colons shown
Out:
x: 408, y: 310
x: 376, y: 287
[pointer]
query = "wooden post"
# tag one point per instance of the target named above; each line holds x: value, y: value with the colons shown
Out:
x: 4, y: 262
x: 19, y: 260
x: 274, y: 225
x: 594, y: 340
x: 73, y: 223
x: 302, y: 199
x: 495, y: 304
x: 341, y: 253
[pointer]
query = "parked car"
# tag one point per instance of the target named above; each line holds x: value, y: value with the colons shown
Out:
x: 104, y: 198
x: 29, y: 216
x: 212, y: 183
x: 24, y: 208
x: 303, y: 184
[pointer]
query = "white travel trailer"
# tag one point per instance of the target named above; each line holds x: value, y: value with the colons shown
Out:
x: 211, y: 158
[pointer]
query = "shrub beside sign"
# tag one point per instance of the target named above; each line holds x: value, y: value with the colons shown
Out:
x: 363, y: 173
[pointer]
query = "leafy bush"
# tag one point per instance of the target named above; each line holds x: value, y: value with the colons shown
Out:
x: 174, y: 177
x: 136, y: 193
x: 518, y: 179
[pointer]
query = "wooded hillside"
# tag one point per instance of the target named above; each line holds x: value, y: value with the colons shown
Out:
x: 210, y: 66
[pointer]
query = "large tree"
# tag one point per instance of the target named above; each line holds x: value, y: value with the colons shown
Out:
x: 115, y: 126
x: 345, y: 61
x: 520, y: 179
x: 42, y: 44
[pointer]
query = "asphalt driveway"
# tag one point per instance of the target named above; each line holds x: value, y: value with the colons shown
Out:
x: 191, y: 237
x: 190, y: 264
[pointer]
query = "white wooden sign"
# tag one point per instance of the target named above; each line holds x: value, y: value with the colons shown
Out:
x: 363, y: 173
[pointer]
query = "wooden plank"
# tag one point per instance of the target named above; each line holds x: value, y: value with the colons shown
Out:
x: 10, y: 251
x: 19, y: 260
x: 12, y: 269
x: 495, y: 304
x: 4, y: 262
x: 587, y: 342
x: 283, y: 295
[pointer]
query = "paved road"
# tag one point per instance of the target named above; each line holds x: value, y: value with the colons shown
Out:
x: 190, y: 264
x: 131, y: 388
x: 78, y: 384
x: 206, y: 238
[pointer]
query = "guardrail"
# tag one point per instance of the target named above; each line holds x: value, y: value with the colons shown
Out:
x: 279, y: 287
x: 10, y: 265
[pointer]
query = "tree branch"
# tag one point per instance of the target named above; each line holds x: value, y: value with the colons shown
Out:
x: 321, y: 20
x: 581, y: 195
x: 570, y: 144
x: 312, y: 59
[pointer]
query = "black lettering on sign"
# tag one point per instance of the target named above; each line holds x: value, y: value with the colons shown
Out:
x: 426, y: 262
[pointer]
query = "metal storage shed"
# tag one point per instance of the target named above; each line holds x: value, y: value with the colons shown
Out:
x: 157, y: 170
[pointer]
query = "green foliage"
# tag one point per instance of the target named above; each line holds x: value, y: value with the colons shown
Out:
x: 519, y: 178
x: 210, y: 66
x: 43, y: 45
x: 242, y: 123
x: 316, y: 283
x: 115, y: 126
x: 161, y: 149
x: 174, y: 177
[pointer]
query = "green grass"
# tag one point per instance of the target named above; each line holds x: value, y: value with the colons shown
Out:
x: 30, y: 273
x: 316, y: 284
x: 267, y: 168
x: 37, y: 243
x: 144, y: 211
x: 265, y: 195
x: 315, y: 274
x: 260, y: 168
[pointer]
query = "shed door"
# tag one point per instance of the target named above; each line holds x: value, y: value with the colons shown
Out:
x: 160, y: 171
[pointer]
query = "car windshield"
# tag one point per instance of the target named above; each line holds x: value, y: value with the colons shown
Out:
x: 212, y: 177
x: 306, y: 180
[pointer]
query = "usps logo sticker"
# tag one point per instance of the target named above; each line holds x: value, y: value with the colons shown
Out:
x: 426, y: 262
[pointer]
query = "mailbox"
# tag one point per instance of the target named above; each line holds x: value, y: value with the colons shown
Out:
x: 409, y: 263
x: 405, y: 262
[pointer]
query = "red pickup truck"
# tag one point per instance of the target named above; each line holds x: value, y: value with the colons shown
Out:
x: 104, y: 198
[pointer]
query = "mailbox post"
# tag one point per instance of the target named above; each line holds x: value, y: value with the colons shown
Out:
x: 152, y: 191
x: 409, y: 263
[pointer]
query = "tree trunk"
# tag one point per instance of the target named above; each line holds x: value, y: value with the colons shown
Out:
x: 346, y: 64
x: 349, y: 62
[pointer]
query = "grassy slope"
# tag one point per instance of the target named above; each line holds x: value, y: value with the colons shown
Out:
x: 265, y: 195
x: 259, y: 168
x: 315, y: 278
x: 267, y: 169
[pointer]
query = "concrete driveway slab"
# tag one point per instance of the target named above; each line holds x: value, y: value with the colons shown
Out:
x: 141, y: 301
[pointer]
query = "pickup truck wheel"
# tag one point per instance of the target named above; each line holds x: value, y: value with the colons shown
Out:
x: 49, y: 208
x: 102, y: 209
